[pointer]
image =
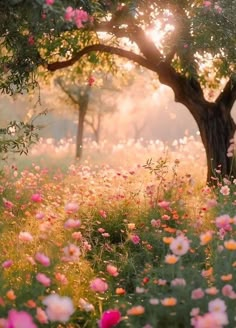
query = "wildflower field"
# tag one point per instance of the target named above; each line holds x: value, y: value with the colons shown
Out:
x: 129, y: 237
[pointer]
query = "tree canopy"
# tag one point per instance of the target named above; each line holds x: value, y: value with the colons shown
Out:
x: 53, y: 34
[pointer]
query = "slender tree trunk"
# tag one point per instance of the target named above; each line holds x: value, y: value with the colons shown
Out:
x: 80, y: 134
x: 83, y: 108
x: 217, y: 128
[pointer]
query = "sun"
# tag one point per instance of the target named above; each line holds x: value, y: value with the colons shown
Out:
x: 157, y: 32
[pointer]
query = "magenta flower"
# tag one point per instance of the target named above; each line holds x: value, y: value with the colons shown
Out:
x: 135, y: 239
x: 7, y: 264
x: 19, y: 319
x: 110, y: 318
x: 49, y: 2
x: 37, y: 198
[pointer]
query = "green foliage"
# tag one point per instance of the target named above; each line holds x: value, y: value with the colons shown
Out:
x: 34, y: 34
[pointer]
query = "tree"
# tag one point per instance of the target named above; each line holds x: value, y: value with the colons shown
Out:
x: 80, y: 97
x: 198, y: 38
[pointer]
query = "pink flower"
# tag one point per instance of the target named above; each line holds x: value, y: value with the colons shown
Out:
x: 227, y: 290
x: 223, y: 222
x: 109, y: 319
x: 7, y: 264
x: 91, y: 81
x: 224, y: 190
x: 25, y: 236
x: 71, y: 253
x: 77, y: 235
x: 197, y: 294
x: 7, y: 204
x: 71, y: 223
x: 49, y: 2
x: 31, y: 40
x: 98, y: 285
x: 213, y: 319
x: 42, y: 259
x: 103, y: 214
x: 37, y: 198
x: 156, y: 223
x: 219, y: 11
x: 80, y: 16
x: 69, y: 14
x: 207, y: 4
x: 179, y: 245
x: 86, y: 306
x: 41, y: 316
x: 71, y: 208
x: 135, y: 239
x: 112, y: 270
x: 61, y: 278
x: 43, y: 279
x: 217, y: 305
x: 164, y: 204
x: 39, y: 215
x: 19, y: 319
x: 58, y: 308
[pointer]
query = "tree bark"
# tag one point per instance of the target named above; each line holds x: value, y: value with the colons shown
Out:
x: 216, y: 130
x: 83, y: 107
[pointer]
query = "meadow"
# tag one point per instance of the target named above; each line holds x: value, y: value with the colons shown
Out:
x: 129, y: 237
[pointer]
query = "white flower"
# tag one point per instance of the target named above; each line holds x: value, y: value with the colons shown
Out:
x: 58, y: 308
x: 180, y: 245
x: 217, y: 305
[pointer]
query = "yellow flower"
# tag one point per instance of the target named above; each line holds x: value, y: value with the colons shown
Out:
x: 136, y: 310
x: 171, y: 259
x: 230, y: 244
x: 169, y: 301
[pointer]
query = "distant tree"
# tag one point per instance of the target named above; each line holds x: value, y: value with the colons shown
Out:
x: 79, y: 96
x: 197, y: 51
x: 88, y: 94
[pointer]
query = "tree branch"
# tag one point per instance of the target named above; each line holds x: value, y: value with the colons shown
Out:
x: 228, y: 96
x: 102, y: 48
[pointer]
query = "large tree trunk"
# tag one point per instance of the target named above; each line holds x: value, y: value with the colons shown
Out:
x: 217, y: 129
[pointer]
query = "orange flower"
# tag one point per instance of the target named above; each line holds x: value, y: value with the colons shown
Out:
x: 171, y: 259
x: 136, y: 310
x: 212, y: 291
x: 205, y: 238
x: 31, y: 304
x: 170, y: 230
x: 11, y: 295
x: 169, y: 301
x: 234, y: 264
x: 226, y: 277
x: 230, y: 245
x: 207, y: 273
x: 120, y: 291
x: 167, y: 240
